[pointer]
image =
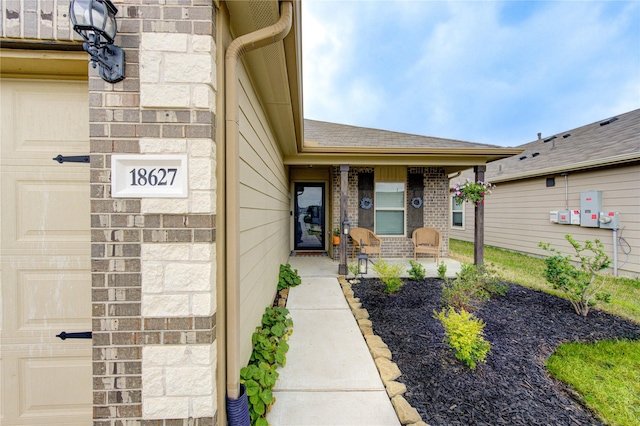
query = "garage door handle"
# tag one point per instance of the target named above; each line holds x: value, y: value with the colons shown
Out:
x: 72, y: 159
x: 84, y: 335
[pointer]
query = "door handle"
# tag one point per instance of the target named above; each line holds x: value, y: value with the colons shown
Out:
x: 82, y: 335
x: 72, y: 159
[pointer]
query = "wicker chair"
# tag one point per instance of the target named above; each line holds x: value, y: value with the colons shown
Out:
x: 426, y: 241
x: 371, y: 243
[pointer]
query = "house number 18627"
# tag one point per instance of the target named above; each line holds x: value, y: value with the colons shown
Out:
x: 149, y: 175
x: 153, y: 177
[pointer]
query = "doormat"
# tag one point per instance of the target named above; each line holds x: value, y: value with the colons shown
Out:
x: 308, y: 253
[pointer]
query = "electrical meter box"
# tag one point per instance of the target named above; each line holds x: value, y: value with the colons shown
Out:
x: 575, y: 217
x: 564, y: 217
x: 590, y: 207
x: 609, y: 220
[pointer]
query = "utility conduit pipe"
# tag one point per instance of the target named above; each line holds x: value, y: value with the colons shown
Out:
x: 566, y: 190
x: 236, y: 49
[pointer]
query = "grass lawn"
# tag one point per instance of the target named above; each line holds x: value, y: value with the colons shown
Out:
x: 528, y: 271
x: 606, y: 374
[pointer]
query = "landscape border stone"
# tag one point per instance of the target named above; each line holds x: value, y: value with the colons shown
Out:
x: 388, y: 370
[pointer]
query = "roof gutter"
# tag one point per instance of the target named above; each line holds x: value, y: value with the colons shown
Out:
x: 231, y: 230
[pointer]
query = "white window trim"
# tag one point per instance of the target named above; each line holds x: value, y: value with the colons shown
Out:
x: 451, y: 211
x: 404, y: 211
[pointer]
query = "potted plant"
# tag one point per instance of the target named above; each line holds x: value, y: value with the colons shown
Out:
x: 336, y: 236
x: 471, y: 191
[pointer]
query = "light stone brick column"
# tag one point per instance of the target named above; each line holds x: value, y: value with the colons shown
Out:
x: 153, y: 260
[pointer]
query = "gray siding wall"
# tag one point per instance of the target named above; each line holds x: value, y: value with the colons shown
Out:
x: 517, y: 214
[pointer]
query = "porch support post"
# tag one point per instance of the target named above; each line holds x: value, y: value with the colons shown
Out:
x: 344, y: 200
x: 478, y: 238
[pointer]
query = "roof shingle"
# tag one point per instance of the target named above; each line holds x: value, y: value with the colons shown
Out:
x: 591, y: 145
x: 324, y: 134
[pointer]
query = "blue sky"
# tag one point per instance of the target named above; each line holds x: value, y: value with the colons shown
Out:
x: 495, y: 72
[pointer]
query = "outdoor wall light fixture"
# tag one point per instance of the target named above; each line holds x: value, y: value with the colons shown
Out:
x: 95, y: 21
x: 363, y: 261
x: 346, y: 226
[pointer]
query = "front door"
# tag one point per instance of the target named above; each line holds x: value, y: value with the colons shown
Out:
x: 44, y: 254
x: 309, y: 216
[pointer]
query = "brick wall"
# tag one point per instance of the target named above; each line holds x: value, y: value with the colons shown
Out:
x: 435, y: 208
x: 153, y: 260
x: 44, y: 19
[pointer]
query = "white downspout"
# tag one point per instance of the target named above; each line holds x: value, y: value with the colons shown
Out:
x: 236, y: 49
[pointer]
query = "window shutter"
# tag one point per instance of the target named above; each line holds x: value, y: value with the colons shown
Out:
x: 365, y: 189
x: 415, y: 189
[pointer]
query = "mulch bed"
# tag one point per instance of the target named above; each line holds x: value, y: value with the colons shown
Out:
x: 512, y: 387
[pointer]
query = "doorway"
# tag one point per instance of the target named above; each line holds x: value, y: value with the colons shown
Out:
x: 309, y: 216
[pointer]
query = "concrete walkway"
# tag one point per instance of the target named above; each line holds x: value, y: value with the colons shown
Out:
x: 330, y: 378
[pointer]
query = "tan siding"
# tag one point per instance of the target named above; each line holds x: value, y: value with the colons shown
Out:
x: 264, y: 213
x: 517, y: 213
x: 390, y: 173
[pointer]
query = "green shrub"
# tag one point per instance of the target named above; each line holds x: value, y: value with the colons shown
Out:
x: 464, y: 335
x: 389, y: 274
x: 270, y: 340
x: 484, y: 278
x: 392, y: 285
x: 353, y: 269
x: 442, y: 271
x: 288, y: 277
x: 258, y: 381
x: 461, y: 294
x: 269, y: 350
x: 580, y: 284
x: 472, y: 286
x: 416, y: 272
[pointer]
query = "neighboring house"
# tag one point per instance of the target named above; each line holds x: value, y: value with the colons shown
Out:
x: 172, y: 288
x: 549, y: 176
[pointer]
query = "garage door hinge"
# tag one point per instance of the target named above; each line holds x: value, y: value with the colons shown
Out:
x: 83, y: 335
x: 72, y: 159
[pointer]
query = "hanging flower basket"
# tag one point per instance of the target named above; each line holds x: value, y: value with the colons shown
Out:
x: 470, y: 191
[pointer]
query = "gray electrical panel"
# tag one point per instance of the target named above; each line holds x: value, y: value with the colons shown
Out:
x: 564, y: 217
x: 590, y: 208
x: 609, y: 220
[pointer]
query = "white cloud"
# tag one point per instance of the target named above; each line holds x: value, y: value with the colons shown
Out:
x: 333, y: 84
x: 492, y: 72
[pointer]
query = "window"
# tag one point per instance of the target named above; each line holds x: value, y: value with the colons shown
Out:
x: 389, y: 207
x: 457, y: 214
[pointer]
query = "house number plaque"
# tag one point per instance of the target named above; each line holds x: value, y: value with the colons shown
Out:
x: 149, y: 176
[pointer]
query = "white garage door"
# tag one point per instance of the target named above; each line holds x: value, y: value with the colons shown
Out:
x: 45, y: 254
